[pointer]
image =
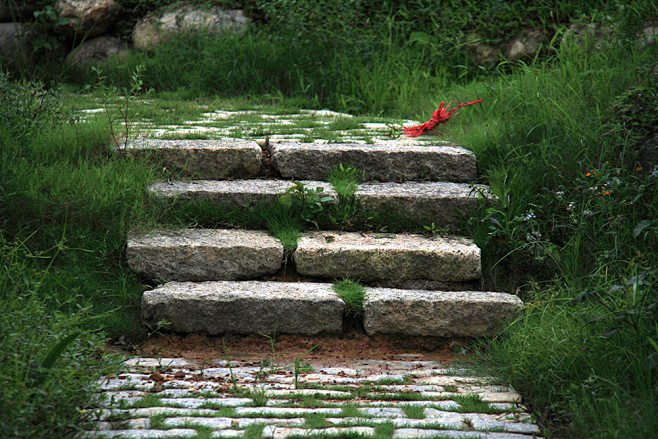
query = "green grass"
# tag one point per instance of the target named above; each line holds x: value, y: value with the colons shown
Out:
x: 344, y: 180
x: 576, y: 247
x: 413, y: 411
x: 353, y: 294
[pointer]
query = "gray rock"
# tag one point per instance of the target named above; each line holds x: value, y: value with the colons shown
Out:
x: 245, y: 307
x: 96, y: 51
x: 204, y: 254
x: 440, y: 202
x: 86, y: 18
x: 377, y: 257
x: 379, y: 161
x: 14, y: 43
x: 481, y: 49
x: 234, y: 193
x: 159, y: 27
x: 649, y: 35
x: 594, y: 35
x: 212, y: 159
x: 446, y: 314
x: 524, y: 45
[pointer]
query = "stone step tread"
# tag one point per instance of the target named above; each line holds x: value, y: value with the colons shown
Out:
x: 204, y: 254
x: 240, y: 158
x: 213, y: 159
x: 252, y: 307
x: 392, y: 161
x: 440, y: 202
x: 233, y: 254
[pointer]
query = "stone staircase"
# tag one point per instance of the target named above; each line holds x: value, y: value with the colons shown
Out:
x: 216, y: 280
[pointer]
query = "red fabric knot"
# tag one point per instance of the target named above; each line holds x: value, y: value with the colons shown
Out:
x: 441, y: 115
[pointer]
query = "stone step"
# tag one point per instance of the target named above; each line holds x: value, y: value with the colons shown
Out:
x: 252, y: 307
x: 440, y: 202
x: 245, y: 307
x: 403, y: 260
x: 444, y: 314
x: 204, y: 254
x: 234, y: 193
x: 390, y: 161
x: 387, y: 259
x: 211, y: 159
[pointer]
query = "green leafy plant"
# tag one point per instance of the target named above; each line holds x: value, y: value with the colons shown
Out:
x: 118, y: 103
x: 306, y: 202
x: 344, y: 180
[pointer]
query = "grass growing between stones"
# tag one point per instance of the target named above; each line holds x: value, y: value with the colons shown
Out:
x: 353, y: 294
x: 563, y: 142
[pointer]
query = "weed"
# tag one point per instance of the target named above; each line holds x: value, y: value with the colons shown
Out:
x: 315, y: 420
x: 305, y: 201
x: 473, y: 404
x: 253, y: 431
x: 125, y: 99
x: 344, y: 180
x: 413, y: 411
x: 353, y: 294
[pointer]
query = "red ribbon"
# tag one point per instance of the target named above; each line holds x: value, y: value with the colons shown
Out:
x: 438, y: 117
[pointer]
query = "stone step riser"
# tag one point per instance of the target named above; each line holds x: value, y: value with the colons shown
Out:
x: 390, y: 162
x: 405, y: 261
x: 212, y: 159
x: 442, y: 203
x: 312, y: 308
x: 203, y: 254
x: 238, y: 158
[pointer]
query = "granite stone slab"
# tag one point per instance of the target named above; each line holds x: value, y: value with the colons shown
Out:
x: 390, y: 161
x: 385, y: 257
x: 204, y: 254
x: 234, y: 193
x: 211, y: 159
x: 442, y: 203
x: 245, y: 307
x: 446, y: 314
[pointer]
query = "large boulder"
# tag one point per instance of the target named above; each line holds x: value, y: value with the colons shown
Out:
x: 160, y: 26
x: 524, y: 45
x: 14, y: 45
x: 96, y: 51
x: 86, y: 18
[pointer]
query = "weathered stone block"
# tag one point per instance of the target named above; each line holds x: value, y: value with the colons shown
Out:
x: 212, y: 159
x: 441, y: 202
x: 444, y: 314
x: 383, y: 257
x: 234, y: 193
x: 245, y: 307
x: 204, y: 254
x: 379, y: 161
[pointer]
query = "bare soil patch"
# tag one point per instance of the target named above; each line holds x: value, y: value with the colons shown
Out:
x: 329, y: 350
